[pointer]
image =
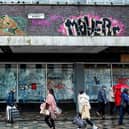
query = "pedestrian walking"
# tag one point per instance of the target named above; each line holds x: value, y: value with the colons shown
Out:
x: 51, y: 105
x: 124, y: 107
x: 84, y: 108
x: 117, y: 99
x: 102, y: 101
x: 111, y: 100
x: 10, y: 105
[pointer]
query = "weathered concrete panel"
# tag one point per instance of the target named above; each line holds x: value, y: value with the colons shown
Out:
x: 63, y: 41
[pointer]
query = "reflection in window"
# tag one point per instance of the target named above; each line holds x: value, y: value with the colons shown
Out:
x: 96, y: 75
x: 60, y: 78
x: 31, y: 82
x: 120, y: 73
x: 8, y: 79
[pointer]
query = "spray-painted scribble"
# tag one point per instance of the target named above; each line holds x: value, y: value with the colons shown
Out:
x: 10, y: 26
x: 88, y: 25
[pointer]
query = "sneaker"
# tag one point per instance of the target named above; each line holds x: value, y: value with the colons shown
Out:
x: 95, y: 127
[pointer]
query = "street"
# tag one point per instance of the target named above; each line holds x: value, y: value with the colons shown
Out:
x: 33, y: 120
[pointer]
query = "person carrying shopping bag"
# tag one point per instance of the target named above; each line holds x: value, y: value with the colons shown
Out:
x: 84, y: 108
x: 10, y: 105
x: 51, y: 106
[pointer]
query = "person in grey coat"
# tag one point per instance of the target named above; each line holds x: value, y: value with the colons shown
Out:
x: 102, y: 101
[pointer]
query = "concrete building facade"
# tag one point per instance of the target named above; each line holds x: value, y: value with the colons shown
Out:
x: 64, y: 47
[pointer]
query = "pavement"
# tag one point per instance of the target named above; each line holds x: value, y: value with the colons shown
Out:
x: 33, y: 120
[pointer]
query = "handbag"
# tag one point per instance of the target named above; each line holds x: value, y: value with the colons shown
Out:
x: 45, y: 112
x: 79, y: 121
x: 43, y: 109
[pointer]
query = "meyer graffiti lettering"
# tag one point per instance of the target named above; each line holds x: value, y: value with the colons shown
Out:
x: 90, y: 27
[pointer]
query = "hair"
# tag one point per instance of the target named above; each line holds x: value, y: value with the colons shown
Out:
x: 51, y: 91
x: 125, y: 91
x: 81, y: 92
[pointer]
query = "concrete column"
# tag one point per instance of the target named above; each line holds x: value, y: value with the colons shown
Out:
x: 79, y: 80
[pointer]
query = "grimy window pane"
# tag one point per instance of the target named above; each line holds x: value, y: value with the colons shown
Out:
x: 96, y: 75
x: 32, y: 83
x: 8, y: 79
x: 60, y: 78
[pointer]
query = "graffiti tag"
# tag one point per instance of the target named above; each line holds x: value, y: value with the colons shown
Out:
x: 88, y: 26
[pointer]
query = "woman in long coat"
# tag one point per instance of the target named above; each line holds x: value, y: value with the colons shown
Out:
x: 84, y: 108
x: 51, y: 103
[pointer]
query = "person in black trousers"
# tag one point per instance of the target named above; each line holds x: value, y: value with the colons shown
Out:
x: 124, y: 107
x: 102, y: 101
x: 51, y: 106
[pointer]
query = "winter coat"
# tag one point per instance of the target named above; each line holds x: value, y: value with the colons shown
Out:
x: 10, y: 99
x: 83, y: 99
x: 117, y: 95
x: 50, y: 100
x: 102, y: 97
x: 111, y: 95
x: 125, y: 99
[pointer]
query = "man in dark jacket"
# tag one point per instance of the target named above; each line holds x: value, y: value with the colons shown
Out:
x: 102, y: 101
x: 10, y: 104
x: 124, y: 107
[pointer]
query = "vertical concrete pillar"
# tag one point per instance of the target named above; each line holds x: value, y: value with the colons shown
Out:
x: 79, y: 80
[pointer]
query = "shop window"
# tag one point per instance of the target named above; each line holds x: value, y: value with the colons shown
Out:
x: 38, y: 66
x: 59, y: 77
x: 8, y: 79
x: 96, y: 75
x: 120, y: 73
x: 32, y: 83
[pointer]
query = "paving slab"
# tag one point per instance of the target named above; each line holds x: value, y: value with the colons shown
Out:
x: 33, y: 120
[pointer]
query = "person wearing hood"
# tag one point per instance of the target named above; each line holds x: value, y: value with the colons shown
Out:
x: 84, y: 108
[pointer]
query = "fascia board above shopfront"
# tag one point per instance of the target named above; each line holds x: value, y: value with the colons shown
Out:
x: 63, y: 41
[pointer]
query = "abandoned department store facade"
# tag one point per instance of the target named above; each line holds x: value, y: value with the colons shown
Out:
x: 68, y: 48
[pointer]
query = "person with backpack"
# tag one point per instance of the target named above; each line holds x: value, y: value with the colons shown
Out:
x: 84, y: 108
